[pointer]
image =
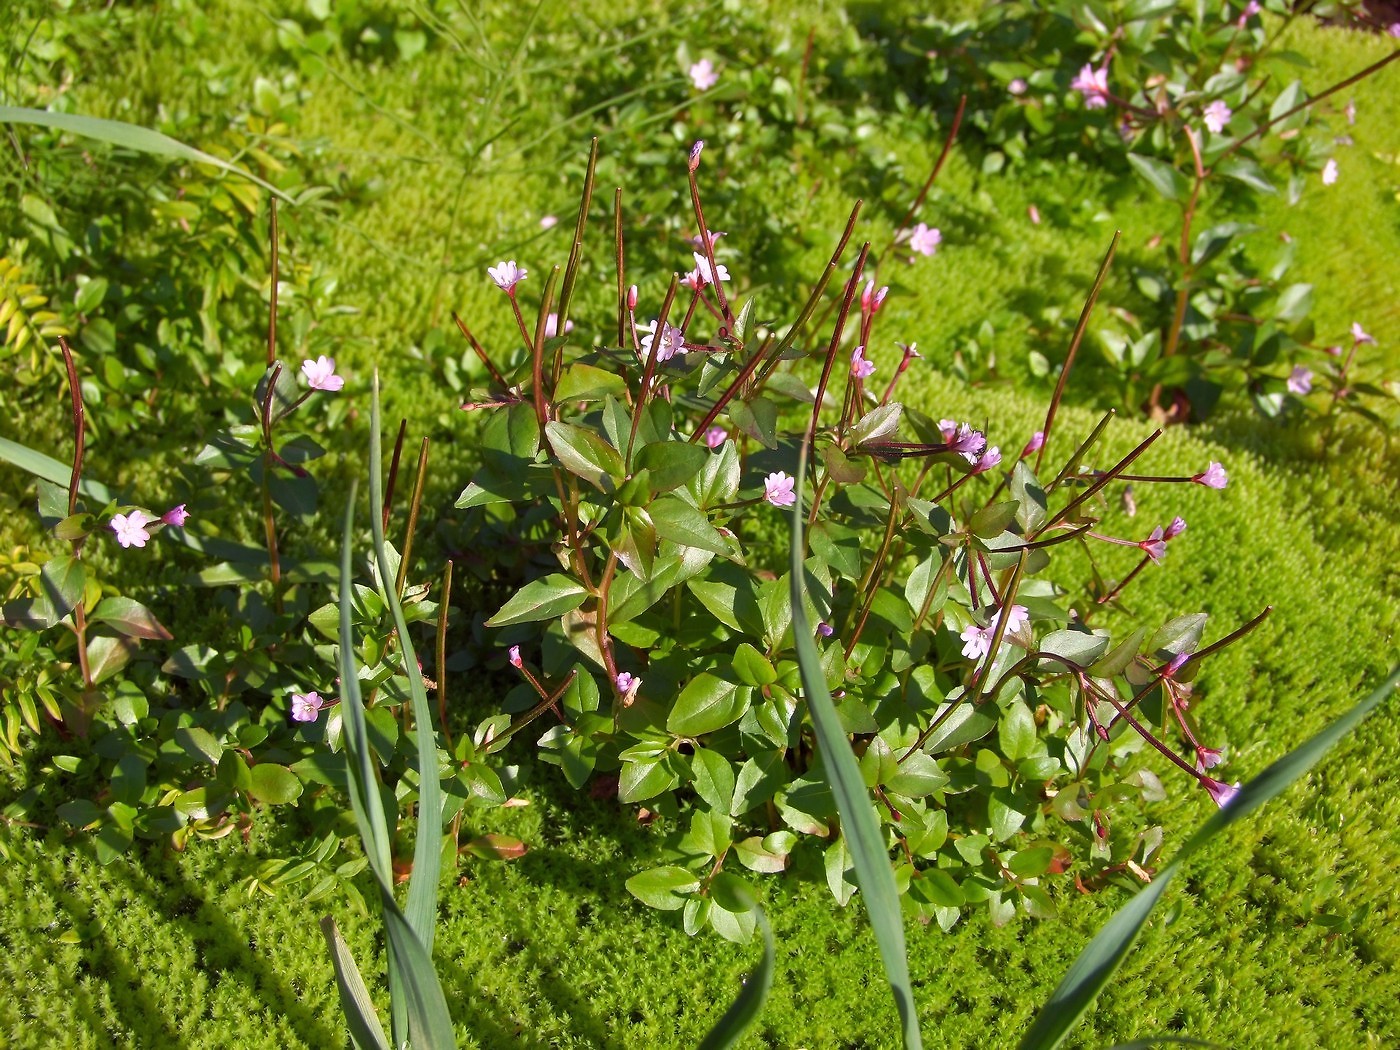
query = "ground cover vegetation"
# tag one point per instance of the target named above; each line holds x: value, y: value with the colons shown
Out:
x: 134, y: 723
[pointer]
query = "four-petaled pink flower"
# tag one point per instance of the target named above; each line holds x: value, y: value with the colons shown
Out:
x: 131, y: 528
x: 714, y: 235
x: 1300, y: 380
x: 514, y: 656
x: 925, y: 239
x: 306, y: 706
x: 1208, y: 758
x: 1329, y: 172
x: 1217, y: 115
x: 1223, y: 794
x: 1213, y: 477
x: 507, y: 275
x: 627, y: 684
x: 320, y: 374
x: 702, y: 75
x: 961, y: 438
x: 861, y: 366
x: 715, y: 437
x: 176, y: 516
x: 777, y: 489
x: 1093, y: 85
x: 702, y: 270
x: 551, y: 326
x: 1359, y: 335
x: 1034, y: 445
x: 987, y: 460
x: 1017, y: 617
x: 1155, y: 546
x: 977, y: 641
x: 672, y: 341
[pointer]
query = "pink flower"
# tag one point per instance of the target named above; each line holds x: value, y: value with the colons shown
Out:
x: 961, y: 438
x: 714, y: 236
x: 551, y: 326
x: 1359, y: 335
x: 1175, y: 664
x: 1017, y: 617
x: 1300, y: 380
x: 977, y: 641
x: 1155, y: 546
x: 1329, y: 172
x: 176, y: 516
x: 1393, y: 29
x: 1093, y: 85
x: 672, y: 341
x: 1250, y: 10
x: 1208, y: 758
x: 320, y: 374
x: 987, y: 460
x: 1213, y: 477
x: 861, y: 368
x: 131, y: 528
x: 507, y: 275
x: 1217, y: 115
x: 870, y: 299
x: 825, y: 629
x: 627, y: 685
x: 777, y: 489
x: 632, y: 297
x: 702, y: 74
x: 1175, y: 529
x: 1017, y: 87
x: 1350, y: 111
x: 306, y: 706
x: 548, y: 221
x: 1034, y: 445
x: 695, y: 152
x: 925, y: 239
x: 1223, y: 794
x: 1034, y: 213
x: 715, y: 437
x: 515, y: 660
x: 702, y: 268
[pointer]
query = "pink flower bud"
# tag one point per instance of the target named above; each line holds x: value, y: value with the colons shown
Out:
x: 1175, y: 529
x: 176, y: 516
x: 1034, y: 445
x: 632, y: 298
x: 695, y: 154
x: 515, y: 660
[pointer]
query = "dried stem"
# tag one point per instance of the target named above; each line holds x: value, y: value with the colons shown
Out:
x: 413, y: 506
x: 928, y: 183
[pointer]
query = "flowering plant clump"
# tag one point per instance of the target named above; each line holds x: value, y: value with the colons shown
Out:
x: 1192, y: 101
x: 994, y: 712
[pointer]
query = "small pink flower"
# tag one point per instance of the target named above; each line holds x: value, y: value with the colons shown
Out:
x: 306, y: 706
x: 176, y: 516
x: 1155, y: 546
x: 1332, y: 351
x: 1175, y: 529
x: 1213, y: 477
x: 925, y: 239
x: 514, y: 656
x: 507, y: 275
x: 1223, y: 794
x: 1034, y: 213
x: 1017, y: 87
x: 548, y: 222
x: 672, y: 341
x: 1350, y: 111
x: 777, y: 489
x: 861, y: 367
x: 977, y: 641
x: 1175, y: 664
x: 962, y: 439
x: 1093, y: 85
x: 870, y: 299
x: 551, y: 326
x: 825, y: 629
x: 1300, y: 380
x: 1250, y: 10
x: 987, y: 460
x: 1034, y: 445
x: 632, y: 297
x: 1217, y: 115
x: 1329, y: 172
x: 715, y: 437
x: 1017, y: 617
x: 627, y: 685
x: 702, y: 74
x: 714, y: 236
x: 131, y: 528
x: 320, y: 374
x: 1393, y: 29
x: 702, y: 268
x: 1208, y: 758
x: 1359, y: 335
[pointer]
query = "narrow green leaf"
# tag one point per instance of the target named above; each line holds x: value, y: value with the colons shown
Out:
x: 541, y: 599
x: 859, y: 821
x: 749, y: 1003
x: 355, y: 1002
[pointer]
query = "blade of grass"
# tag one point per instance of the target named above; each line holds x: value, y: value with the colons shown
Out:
x: 128, y: 136
x: 859, y: 822
x: 1103, y: 955
x: 365, y: 1030
x: 749, y: 1003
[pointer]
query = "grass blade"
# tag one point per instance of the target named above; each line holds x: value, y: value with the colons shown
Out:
x: 749, y: 1003
x: 50, y: 469
x: 1103, y: 955
x: 859, y: 822
x: 365, y: 1030
x: 128, y: 136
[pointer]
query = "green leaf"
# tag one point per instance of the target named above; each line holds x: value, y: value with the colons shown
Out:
x: 584, y: 453
x: 355, y: 1001
x: 1016, y: 731
x: 671, y: 463
x: 1160, y: 175
x: 752, y: 667
x: 276, y: 785
x: 63, y: 579
x: 129, y: 617
x: 1210, y: 243
x: 580, y: 382
x: 645, y: 773
x: 712, y: 776
x: 718, y: 479
x: 106, y: 656
x: 878, y: 423
x: 859, y: 820
x: 664, y: 888
x: 1100, y: 959
x: 1179, y: 635
x: 541, y: 599
x: 749, y: 1004
x: 1294, y: 303
x: 677, y: 521
x: 706, y: 704
x: 1247, y: 171
x: 1078, y: 647
x: 757, y: 418
x: 1030, y: 498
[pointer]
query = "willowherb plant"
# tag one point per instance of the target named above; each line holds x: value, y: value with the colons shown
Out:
x: 990, y: 710
x: 1198, y: 102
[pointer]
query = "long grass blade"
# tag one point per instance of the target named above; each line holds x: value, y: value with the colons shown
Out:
x: 128, y: 136
x: 365, y: 1030
x: 859, y: 822
x: 749, y: 1003
x: 50, y: 469
x: 1103, y: 955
